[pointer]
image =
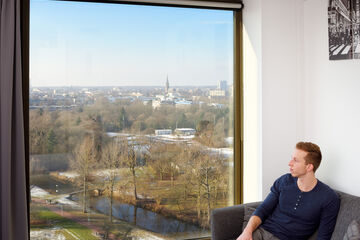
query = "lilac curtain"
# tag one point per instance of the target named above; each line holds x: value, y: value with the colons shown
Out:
x: 13, y: 176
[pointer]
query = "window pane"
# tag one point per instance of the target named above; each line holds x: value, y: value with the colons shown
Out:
x: 131, y: 120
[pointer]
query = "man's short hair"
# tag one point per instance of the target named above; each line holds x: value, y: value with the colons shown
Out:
x: 313, y: 153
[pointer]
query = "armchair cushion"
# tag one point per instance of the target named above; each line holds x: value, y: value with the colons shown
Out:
x: 353, y: 231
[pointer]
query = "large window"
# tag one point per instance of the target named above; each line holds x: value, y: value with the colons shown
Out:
x: 131, y: 120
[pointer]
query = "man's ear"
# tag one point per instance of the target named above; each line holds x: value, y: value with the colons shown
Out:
x: 310, y: 167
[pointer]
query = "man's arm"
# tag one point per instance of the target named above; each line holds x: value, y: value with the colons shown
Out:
x: 328, y: 219
x: 263, y: 211
x: 272, y: 199
x: 252, y: 225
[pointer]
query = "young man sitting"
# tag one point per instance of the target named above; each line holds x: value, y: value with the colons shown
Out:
x: 298, y: 203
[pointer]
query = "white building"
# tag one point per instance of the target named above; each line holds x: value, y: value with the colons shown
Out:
x: 159, y: 132
x: 183, y: 103
x: 217, y: 93
x: 159, y: 103
x: 185, y: 131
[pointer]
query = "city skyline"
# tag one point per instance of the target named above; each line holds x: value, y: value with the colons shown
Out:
x: 126, y: 86
x: 94, y: 44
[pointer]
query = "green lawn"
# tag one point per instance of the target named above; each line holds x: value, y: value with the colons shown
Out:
x: 54, y: 220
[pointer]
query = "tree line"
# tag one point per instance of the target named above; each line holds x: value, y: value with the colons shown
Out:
x: 59, y: 131
x: 196, y: 174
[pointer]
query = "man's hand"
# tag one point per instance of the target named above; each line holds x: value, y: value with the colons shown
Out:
x: 254, y: 223
x: 245, y: 235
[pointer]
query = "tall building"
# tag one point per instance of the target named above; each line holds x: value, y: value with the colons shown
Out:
x: 222, y: 85
x: 167, y: 85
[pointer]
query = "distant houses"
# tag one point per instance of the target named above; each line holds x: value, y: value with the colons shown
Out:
x: 177, y: 131
x: 160, y: 132
x: 185, y: 131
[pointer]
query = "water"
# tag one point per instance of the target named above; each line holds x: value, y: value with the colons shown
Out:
x: 146, y: 219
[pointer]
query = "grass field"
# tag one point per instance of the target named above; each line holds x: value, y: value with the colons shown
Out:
x: 70, y: 229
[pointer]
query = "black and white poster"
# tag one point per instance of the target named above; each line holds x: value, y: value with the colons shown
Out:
x: 343, y: 27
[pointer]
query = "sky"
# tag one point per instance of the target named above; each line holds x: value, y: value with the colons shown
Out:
x: 97, y: 44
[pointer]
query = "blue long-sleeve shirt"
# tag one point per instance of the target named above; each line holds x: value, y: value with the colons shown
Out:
x: 289, y: 214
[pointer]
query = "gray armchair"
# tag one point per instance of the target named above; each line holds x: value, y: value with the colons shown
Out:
x: 226, y: 223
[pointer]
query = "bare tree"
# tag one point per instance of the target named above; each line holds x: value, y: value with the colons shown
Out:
x: 83, y: 163
x: 210, y: 176
x: 204, y: 174
x: 131, y: 163
x: 207, y: 174
x: 128, y: 158
x: 158, y: 159
x: 165, y: 160
x: 191, y: 176
x: 111, y: 160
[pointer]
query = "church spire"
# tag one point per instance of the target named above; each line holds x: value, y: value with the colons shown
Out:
x: 167, y: 85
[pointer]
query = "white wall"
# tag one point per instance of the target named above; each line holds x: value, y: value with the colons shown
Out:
x: 332, y: 103
x: 273, y: 63
x: 252, y: 88
x: 281, y: 86
x: 293, y: 92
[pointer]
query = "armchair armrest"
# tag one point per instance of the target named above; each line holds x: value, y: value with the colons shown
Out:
x: 226, y: 223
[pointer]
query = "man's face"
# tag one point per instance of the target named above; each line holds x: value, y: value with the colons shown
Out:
x: 297, y: 164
